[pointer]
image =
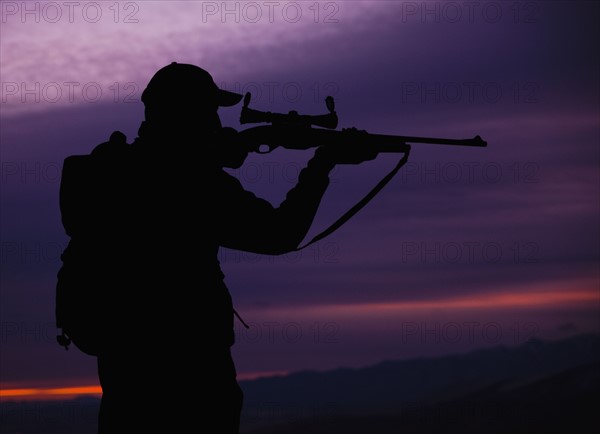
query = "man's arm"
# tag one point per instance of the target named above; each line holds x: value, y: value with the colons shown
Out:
x: 252, y: 224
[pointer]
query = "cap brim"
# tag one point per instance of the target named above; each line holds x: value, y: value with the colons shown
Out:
x: 228, y: 99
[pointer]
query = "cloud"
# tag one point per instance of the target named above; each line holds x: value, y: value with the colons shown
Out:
x: 99, y: 45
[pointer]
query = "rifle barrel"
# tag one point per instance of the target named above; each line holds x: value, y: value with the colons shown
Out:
x: 386, y: 139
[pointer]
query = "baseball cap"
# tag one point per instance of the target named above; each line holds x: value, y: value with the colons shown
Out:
x: 179, y: 81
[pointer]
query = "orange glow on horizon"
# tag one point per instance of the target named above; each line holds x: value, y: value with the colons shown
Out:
x: 540, y: 296
x: 52, y: 393
x: 491, y: 301
x: 49, y: 393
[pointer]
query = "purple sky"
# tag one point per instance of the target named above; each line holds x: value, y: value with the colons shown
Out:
x: 465, y: 248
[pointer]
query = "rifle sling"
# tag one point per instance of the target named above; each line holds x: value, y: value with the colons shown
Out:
x: 359, y: 205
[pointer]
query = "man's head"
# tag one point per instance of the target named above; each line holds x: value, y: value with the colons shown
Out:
x: 185, y: 96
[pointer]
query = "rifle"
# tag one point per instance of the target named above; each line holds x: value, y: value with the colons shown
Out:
x: 295, y: 131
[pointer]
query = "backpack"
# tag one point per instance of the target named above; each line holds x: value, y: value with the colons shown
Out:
x: 82, y: 312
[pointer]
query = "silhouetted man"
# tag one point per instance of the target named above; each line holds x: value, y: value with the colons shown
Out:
x: 147, y: 239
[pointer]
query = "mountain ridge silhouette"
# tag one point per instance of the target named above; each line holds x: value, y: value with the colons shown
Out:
x: 539, y: 386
